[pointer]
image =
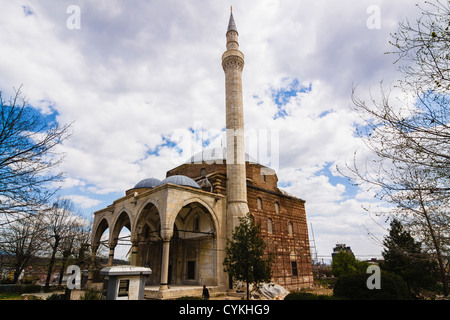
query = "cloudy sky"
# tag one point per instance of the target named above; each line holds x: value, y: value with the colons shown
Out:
x: 135, y: 76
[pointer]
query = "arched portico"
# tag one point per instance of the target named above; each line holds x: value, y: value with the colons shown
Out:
x: 174, y: 232
x: 193, y: 246
x: 183, y: 252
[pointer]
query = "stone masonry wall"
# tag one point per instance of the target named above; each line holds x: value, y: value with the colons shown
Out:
x: 287, y: 248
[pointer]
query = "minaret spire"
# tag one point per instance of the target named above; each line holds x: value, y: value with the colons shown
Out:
x: 231, y: 23
x: 233, y: 65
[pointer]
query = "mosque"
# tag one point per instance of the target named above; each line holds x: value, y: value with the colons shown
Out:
x: 179, y: 226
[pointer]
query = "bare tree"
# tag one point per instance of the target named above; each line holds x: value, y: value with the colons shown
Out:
x: 27, y: 155
x: 83, y: 244
x: 59, y: 221
x: 21, y: 242
x: 75, y: 243
x: 425, y: 43
x: 411, y: 140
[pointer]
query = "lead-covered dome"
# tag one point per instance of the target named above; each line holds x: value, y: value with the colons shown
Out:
x: 181, y: 181
x: 211, y: 155
x: 148, y: 183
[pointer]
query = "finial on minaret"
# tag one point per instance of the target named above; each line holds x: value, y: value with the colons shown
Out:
x: 231, y: 9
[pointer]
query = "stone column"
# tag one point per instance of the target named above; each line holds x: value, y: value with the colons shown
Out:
x: 166, y: 235
x: 134, y: 252
x: 90, y: 280
x: 111, y: 254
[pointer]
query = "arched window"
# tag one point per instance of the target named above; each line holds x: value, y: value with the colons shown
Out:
x: 203, y: 172
x: 277, y: 207
x: 269, y: 225
x: 259, y: 203
x: 290, y: 228
x: 196, y: 227
x: 294, y: 267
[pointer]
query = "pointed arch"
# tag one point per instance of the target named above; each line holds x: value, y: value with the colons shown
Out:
x: 269, y: 225
x: 192, y: 202
x: 122, y: 220
x: 148, y: 220
x: 101, y: 227
x: 290, y: 228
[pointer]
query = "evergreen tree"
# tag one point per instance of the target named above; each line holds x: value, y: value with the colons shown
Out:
x: 404, y: 256
x: 244, y: 254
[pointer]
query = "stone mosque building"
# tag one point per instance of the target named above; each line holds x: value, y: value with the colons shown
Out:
x: 179, y: 226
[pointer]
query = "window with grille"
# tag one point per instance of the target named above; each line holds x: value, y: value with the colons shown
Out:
x: 294, y: 268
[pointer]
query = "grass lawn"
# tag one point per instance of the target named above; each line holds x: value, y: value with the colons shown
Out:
x: 10, y: 296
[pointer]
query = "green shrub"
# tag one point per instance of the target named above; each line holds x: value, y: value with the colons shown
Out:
x: 297, y: 295
x: 354, y: 287
x: 18, y: 288
x: 56, y: 296
x: 92, y: 294
x: 9, y: 288
x: 31, y: 288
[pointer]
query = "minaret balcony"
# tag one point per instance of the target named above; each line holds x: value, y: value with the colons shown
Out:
x: 233, y: 58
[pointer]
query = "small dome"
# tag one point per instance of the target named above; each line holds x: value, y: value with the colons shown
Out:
x: 181, y: 181
x: 148, y: 183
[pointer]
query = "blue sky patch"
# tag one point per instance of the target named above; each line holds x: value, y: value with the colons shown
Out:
x: 282, y: 96
x: 325, y: 113
x: 31, y: 112
x: 166, y: 143
x: 27, y: 11
x: 283, y: 184
x: 350, y: 189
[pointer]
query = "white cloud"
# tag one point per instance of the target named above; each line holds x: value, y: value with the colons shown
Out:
x: 83, y: 201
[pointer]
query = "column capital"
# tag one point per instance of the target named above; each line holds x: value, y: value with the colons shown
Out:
x: 166, y: 234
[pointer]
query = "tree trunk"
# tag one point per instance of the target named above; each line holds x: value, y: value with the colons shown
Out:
x: 248, y: 291
x: 19, y: 267
x: 17, y: 275
x: 63, y: 266
x: 50, y: 269
x: 51, y: 263
x: 437, y: 247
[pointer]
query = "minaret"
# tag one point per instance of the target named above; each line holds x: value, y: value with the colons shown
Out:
x: 233, y: 64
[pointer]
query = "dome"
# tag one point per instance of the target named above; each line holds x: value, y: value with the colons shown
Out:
x: 181, y: 181
x: 148, y: 183
x: 214, y: 154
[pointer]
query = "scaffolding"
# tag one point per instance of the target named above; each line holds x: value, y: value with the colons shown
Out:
x: 312, y: 247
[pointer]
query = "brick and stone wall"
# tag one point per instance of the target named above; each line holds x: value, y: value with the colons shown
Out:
x: 288, y: 240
